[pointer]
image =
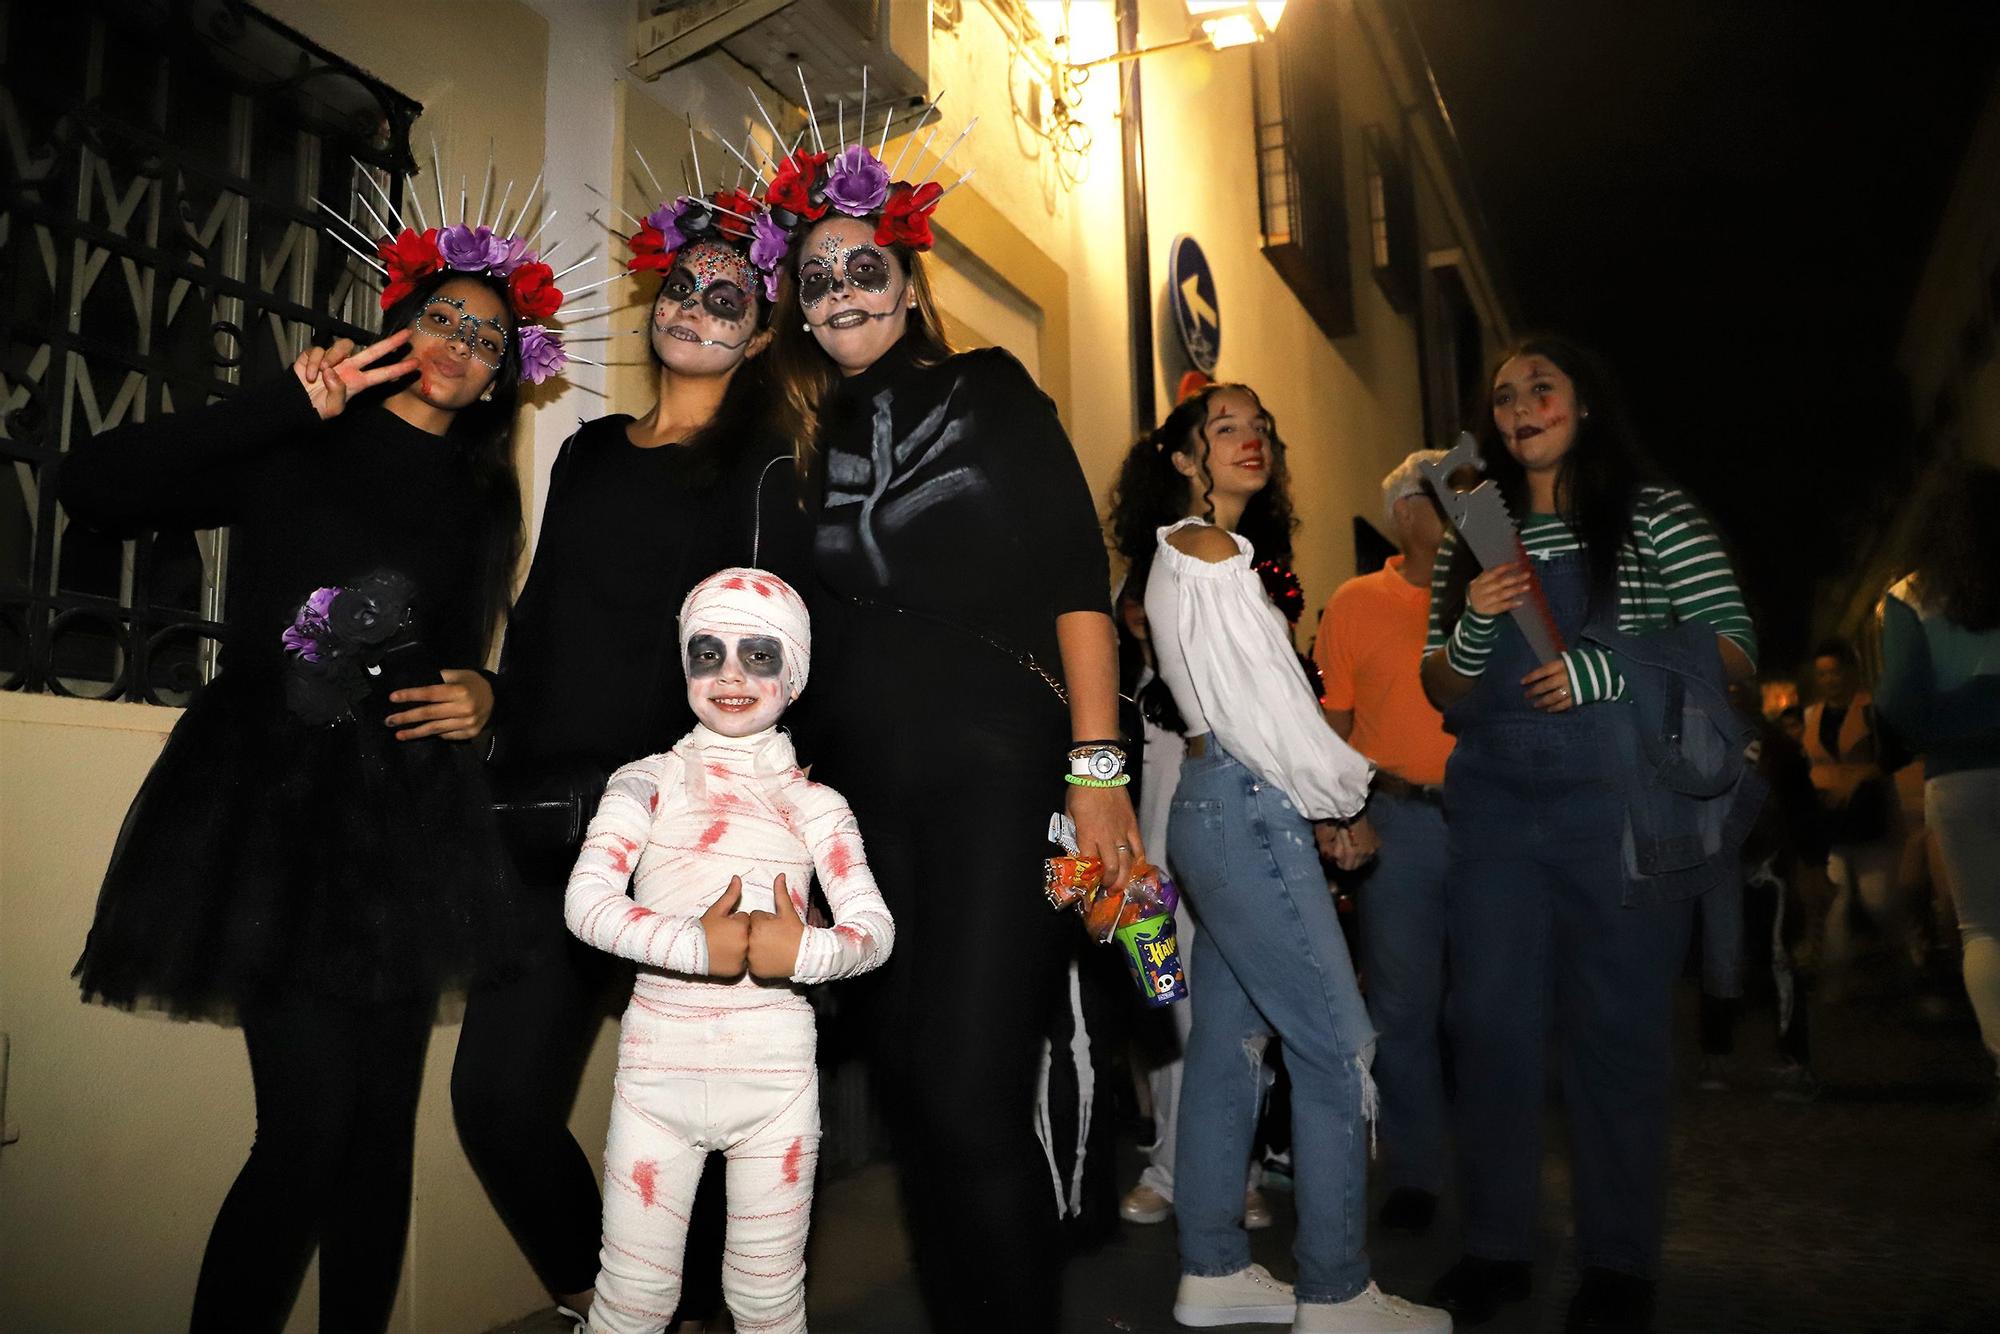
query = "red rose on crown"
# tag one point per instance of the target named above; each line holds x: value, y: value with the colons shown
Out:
x: 649, y: 251
x: 736, y: 201
x: 792, y: 188
x: 906, y: 218
x: 408, y: 257
x: 533, y: 290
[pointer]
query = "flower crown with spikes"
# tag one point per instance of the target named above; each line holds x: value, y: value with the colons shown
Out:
x: 408, y: 254
x: 798, y: 191
x: 806, y: 184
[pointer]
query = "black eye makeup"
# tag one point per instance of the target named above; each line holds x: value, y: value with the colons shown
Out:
x: 868, y: 269
x: 706, y: 654
x: 726, y: 301
x: 863, y: 267
x: 814, y: 283
x: 761, y: 655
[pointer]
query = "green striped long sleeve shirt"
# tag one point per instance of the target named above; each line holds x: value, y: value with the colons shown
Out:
x: 1673, y: 570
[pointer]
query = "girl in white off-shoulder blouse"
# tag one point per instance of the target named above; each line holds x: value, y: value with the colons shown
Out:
x: 1263, y: 770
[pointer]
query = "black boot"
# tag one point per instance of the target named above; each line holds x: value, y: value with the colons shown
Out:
x: 1473, y: 1289
x: 1608, y: 1302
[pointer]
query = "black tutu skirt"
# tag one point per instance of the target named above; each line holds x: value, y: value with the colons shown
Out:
x: 266, y: 858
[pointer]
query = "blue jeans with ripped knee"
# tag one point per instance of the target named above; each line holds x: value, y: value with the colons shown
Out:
x: 1269, y: 960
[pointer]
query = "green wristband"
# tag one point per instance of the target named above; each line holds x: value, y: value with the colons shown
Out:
x: 1080, y: 781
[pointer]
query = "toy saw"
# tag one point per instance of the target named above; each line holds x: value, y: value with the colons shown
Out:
x: 1484, y: 525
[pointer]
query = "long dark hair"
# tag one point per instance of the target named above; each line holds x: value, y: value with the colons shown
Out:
x: 805, y: 374
x: 1151, y: 492
x: 1955, y: 551
x: 1597, y: 483
x: 483, y: 432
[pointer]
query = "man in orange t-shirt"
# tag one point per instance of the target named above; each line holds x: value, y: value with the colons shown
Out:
x: 1369, y: 647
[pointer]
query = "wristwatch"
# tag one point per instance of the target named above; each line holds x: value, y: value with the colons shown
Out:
x: 1099, y: 760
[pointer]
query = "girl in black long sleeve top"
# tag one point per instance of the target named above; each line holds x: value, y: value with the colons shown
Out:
x: 322, y: 883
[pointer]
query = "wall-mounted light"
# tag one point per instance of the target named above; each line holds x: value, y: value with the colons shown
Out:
x: 1217, y: 25
x: 1227, y: 23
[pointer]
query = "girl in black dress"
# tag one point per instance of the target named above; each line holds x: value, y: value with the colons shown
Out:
x: 639, y: 511
x: 969, y: 667
x: 313, y: 855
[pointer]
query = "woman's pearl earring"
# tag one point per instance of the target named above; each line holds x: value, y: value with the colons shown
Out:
x: 486, y: 395
x: 804, y: 327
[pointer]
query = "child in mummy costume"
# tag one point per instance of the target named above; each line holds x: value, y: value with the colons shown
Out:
x: 716, y: 1049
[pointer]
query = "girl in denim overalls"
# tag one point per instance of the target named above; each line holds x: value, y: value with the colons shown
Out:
x: 1535, y: 900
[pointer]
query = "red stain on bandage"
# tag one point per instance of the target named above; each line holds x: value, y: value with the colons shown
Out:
x: 643, y: 1177
x: 840, y: 858
x: 791, y: 1163
x: 711, y: 835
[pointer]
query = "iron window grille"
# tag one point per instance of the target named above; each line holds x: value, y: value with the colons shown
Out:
x: 158, y: 247
x: 1301, y: 185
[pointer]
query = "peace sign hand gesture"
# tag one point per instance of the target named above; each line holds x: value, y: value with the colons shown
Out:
x: 330, y: 374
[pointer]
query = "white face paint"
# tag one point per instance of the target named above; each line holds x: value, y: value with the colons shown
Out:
x: 855, y: 294
x: 736, y: 682
x: 705, y: 317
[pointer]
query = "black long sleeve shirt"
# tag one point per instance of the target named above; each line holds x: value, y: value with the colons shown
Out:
x: 591, y: 669
x: 309, y: 504
x: 952, y: 491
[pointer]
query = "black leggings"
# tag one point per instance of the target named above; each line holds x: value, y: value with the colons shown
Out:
x: 520, y: 1056
x: 336, y: 1089
x: 954, y: 816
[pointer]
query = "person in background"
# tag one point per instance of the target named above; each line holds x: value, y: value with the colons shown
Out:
x: 1940, y: 690
x: 1371, y: 640
x: 1851, y: 772
x: 1541, y: 919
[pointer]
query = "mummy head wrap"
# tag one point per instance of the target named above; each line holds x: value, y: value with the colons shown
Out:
x: 743, y: 601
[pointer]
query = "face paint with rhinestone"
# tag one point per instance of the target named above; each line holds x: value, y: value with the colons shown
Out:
x: 833, y: 266
x: 446, y: 317
x: 715, y: 277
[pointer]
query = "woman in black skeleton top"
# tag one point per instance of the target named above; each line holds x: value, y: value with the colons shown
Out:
x: 321, y: 872
x: 965, y: 592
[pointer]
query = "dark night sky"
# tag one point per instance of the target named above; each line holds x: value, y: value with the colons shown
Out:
x: 1731, y: 200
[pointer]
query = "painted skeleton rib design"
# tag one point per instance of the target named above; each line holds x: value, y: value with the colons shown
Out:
x: 887, y: 485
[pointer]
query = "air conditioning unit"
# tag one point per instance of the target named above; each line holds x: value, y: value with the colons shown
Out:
x: 831, y: 41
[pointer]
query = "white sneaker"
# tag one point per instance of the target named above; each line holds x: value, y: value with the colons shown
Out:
x: 1370, y: 1311
x: 1248, y: 1296
x: 1143, y: 1204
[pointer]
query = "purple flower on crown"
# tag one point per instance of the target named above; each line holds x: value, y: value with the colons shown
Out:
x: 856, y: 183
x: 517, y: 255
x: 471, y: 249
x: 768, y: 244
x: 666, y: 221
x: 542, y: 353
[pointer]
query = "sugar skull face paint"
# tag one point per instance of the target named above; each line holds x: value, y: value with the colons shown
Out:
x: 837, y: 264
x: 855, y: 295
x: 736, y: 683
x: 706, y: 300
